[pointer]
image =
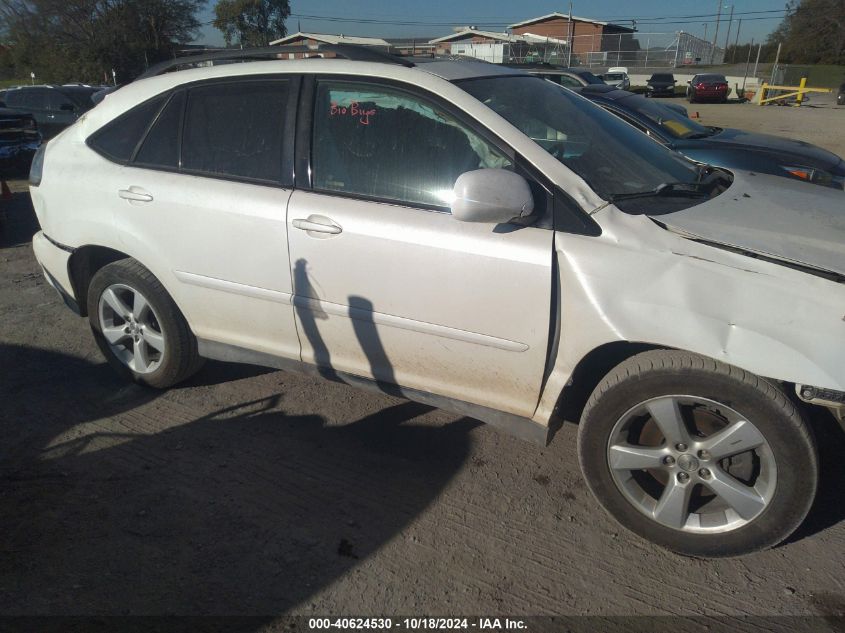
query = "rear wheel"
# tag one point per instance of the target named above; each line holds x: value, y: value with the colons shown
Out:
x: 138, y: 327
x: 698, y: 456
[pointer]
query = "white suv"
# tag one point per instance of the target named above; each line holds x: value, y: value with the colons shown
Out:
x: 469, y: 236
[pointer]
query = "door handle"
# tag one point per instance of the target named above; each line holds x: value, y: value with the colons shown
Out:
x: 317, y: 227
x: 134, y: 194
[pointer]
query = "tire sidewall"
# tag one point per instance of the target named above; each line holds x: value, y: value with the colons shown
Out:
x: 791, y: 445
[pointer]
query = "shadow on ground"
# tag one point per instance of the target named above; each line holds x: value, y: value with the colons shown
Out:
x: 114, y: 500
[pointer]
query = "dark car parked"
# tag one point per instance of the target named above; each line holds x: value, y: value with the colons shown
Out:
x: 661, y: 84
x: 569, y: 77
x: 19, y: 139
x: 54, y: 107
x: 722, y: 147
x: 708, y: 87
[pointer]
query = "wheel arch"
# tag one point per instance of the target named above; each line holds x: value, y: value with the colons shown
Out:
x: 590, y: 371
x: 83, y: 264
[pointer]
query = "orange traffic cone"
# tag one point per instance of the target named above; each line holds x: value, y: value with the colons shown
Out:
x: 5, y: 192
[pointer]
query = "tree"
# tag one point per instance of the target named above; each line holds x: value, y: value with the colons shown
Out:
x: 812, y: 33
x: 83, y: 40
x: 251, y: 22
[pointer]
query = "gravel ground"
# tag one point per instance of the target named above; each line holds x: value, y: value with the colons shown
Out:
x: 249, y: 491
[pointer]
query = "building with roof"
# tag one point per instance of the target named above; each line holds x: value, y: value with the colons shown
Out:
x: 499, y: 48
x: 312, y: 39
x: 590, y: 38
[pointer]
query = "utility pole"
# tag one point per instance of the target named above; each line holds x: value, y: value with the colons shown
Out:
x: 569, y: 57
x: 728, y: 36
x: 705, y: 31
x: 716, y: 34
x: 736, y: 43
x: 775, y: 66
x: 747, y: 64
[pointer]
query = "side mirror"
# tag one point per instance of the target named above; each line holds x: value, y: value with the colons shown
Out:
x: 690, y: 82
x: 494, y: 196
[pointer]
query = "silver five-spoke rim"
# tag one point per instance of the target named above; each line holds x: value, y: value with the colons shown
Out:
x: 692, y: 464
x: 132, y: 328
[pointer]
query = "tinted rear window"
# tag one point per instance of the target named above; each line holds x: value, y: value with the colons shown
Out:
x: 118, y: 139
x: 236, y: 130
x: 161, y: 146
x: 662, y: 77
x: 712, y: 78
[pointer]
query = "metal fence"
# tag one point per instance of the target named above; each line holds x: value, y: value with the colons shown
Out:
x: 633, y: 50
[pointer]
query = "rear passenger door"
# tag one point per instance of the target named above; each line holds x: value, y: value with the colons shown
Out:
x: 203, y: 197
x: 387, y: 284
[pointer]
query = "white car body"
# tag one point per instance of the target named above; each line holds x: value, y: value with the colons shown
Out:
x: 487, y: 323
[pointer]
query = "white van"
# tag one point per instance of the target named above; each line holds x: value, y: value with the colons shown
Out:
x: 617, y: 76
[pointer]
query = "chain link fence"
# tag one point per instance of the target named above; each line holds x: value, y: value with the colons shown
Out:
x: 632, y: 50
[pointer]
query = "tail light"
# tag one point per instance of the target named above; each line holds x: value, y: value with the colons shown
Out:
x: 37, y: 166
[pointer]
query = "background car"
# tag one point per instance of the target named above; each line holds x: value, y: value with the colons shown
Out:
x: 617, y: 77
x: 569, y: 77
x: 840, y: 98
x: 722, y: 147
x: 661, y: 84
x: 19, y: 139
x: 708, y: 87
x: 53, y: 107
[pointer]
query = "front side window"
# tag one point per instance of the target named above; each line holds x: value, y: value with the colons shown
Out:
x: 385, y: 143
x: 236, y: 130
x: 57, y: 102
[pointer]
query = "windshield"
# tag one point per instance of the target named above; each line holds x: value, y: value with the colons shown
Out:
x: 670, y: 121
x: 589, y: 77
x: 610, y: 155
x: 81, y: 95
x: 614, y: 76
x: 662, y: 78
x: 711, y: 78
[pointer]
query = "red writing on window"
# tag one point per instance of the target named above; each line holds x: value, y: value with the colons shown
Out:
x: 353, y: 109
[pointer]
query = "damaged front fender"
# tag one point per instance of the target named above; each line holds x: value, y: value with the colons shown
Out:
x: 640, y: 283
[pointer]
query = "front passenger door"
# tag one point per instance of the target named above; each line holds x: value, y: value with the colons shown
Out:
x: 387, y: 284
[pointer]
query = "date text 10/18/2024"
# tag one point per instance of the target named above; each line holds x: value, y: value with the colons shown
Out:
x: 416, y: 624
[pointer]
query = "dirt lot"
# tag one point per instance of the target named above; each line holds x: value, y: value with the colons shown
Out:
x: 820, y: 122
x: 249, y: 491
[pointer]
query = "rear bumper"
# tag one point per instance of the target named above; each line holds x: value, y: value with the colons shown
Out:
x: 53, y: 259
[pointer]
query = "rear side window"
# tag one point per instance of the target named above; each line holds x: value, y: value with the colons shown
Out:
x: 161, y: 146
x: 35, y: 99
x: 236, y: 130
x: 118, y: 140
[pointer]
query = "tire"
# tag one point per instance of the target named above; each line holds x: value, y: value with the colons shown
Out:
x: 139, y: 328
x: 690, y: 98
x: 728, y: 503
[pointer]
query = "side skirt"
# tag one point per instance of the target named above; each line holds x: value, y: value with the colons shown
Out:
x: 517, y: 426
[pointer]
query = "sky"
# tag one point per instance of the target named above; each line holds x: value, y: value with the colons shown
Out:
x: 433, y: 18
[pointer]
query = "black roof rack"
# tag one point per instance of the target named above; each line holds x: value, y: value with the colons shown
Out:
x: 353, y: 52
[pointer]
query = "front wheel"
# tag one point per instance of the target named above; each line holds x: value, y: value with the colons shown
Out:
x: 697, y: 456
x: 138, y: 327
